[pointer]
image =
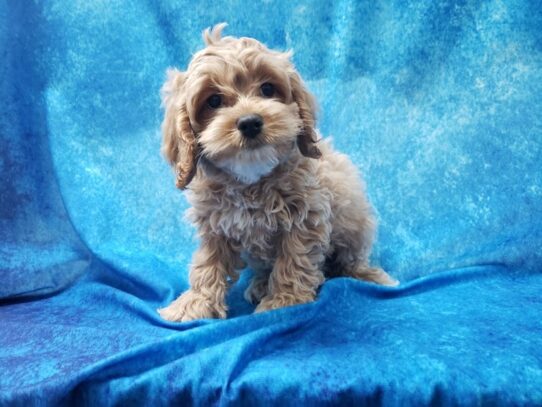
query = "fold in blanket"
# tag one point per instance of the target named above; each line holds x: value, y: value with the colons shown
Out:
x: 471, y: 336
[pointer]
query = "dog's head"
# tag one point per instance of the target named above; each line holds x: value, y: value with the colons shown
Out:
x: 240, y: 105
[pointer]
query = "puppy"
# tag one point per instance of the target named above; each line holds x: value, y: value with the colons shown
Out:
x: 239, y: 130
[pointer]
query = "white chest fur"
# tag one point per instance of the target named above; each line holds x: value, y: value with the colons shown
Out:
x: 249, y: 166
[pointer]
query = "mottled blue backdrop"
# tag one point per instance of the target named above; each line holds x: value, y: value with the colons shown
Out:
x: 438, y: 103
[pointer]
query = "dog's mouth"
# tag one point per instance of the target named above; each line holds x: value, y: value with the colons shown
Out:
x: 250, y: 164
x: 254, y: 143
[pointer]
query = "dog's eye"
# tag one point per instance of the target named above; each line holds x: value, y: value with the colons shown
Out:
x: 214, y: 101
x: 267, y: 89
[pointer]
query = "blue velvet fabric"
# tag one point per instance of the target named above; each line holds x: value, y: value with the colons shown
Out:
x: 438, y: 103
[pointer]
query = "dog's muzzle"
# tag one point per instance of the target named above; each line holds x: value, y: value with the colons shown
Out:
x: 250, y: 125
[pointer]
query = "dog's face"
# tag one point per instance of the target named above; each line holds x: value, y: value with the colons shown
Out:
x: 241, y: 106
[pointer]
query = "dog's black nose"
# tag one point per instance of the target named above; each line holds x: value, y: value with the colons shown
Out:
x: 250, y: 125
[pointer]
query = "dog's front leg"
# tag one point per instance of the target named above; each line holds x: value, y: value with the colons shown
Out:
x: 213, y: 263
x: 296, y: 273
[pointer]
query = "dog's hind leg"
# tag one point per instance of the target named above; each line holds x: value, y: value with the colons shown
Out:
x: 346, y: 262
x: 350, y: 256
x: 258, y: 286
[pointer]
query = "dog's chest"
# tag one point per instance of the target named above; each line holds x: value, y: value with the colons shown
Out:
x: 256, y: 225
x: 253, y: 220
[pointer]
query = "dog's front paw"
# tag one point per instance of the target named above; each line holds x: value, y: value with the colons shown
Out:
x: 270, y: 302
x: 192, y: 305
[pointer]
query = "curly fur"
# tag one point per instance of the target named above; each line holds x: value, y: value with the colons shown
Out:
x: 285, y: 204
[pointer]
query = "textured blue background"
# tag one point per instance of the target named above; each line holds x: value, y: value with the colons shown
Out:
x: 438, y: 103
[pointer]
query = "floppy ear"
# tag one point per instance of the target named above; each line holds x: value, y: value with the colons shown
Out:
x: 306, y: 139
x: 179, y: 144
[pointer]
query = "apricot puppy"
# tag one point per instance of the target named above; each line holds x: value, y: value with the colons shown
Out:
x: 239, y: 130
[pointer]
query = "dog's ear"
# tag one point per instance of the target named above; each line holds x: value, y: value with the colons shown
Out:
x: 306, y: 139
x: 179, y: 144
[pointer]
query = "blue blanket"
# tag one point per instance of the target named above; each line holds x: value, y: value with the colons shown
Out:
x: 439, y: 105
